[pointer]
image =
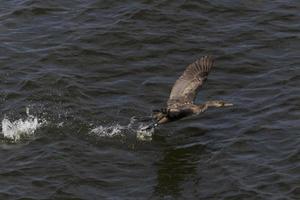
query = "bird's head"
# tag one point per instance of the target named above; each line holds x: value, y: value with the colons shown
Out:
x: 218, y: 103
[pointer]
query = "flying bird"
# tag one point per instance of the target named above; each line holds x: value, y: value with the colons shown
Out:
x: 183, y: 94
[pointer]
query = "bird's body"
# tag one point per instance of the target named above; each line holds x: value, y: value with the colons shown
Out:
x: 182, y: 96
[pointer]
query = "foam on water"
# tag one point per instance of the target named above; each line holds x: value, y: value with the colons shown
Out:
x: 108, y: 131
x: 15, y: 130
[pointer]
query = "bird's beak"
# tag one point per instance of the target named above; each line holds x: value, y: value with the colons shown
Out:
x: 228, y: 104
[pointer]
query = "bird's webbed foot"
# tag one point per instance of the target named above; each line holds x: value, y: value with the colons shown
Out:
x: 149, y: 127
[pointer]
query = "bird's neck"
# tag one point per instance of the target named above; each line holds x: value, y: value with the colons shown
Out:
x: 200, y: 108
x: 203, y: 107
x: 210, y: 103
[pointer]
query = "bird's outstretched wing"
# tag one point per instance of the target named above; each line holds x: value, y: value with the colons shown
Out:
x: 187, y: 85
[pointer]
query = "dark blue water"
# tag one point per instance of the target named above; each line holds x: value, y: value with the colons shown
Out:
x: 83, y: 69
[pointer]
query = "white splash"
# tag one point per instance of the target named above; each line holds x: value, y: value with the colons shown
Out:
x: 14, y: 130
x: 144, y: 134
x: 109, y: 131
x: 119, y: 130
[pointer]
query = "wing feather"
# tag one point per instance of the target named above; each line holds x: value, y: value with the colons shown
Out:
x: 187, y: 85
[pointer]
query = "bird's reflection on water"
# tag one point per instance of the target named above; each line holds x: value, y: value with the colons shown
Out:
x: 177, y: 166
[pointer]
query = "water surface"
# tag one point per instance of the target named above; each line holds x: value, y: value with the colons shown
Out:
x: 83, y: 69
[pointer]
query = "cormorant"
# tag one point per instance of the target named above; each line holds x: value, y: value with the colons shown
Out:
x: 181, y: 100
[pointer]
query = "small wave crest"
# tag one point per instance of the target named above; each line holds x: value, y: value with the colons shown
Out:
x: 15, y: 130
